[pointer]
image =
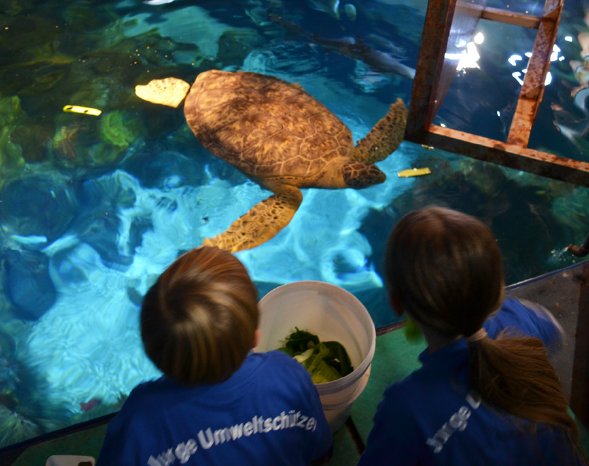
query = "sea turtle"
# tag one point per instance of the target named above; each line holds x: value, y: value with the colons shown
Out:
x: 281, y: 137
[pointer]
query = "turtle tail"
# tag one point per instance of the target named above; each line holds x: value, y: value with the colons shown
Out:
x: 384, y: 137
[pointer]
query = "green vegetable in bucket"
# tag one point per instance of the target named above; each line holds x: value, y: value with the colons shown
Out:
x: 325, y: 361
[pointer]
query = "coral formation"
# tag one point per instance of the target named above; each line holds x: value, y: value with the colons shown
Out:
x: 40, y: 205
x: 65, y: 140
x: 28, y: 284
x: 11, y: 156
x: 120, y: 129
x: 9, y: 367
x: 236, y: 44
x: 571, y: 210
x: 493, y: 194
x: 15, y: 428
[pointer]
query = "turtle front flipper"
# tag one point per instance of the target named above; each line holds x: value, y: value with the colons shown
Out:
x: 262, y: 222
x: 384, y: 137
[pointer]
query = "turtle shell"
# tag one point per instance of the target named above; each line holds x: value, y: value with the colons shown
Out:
x: 264, y: 126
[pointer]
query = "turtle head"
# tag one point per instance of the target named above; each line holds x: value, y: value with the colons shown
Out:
x: 360, y: 175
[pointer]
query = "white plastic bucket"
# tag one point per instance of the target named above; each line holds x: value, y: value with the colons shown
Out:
x: 331, y: 313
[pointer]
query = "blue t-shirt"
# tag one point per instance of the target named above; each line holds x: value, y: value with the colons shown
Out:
x: 432, y: 418
x: 267, y: 413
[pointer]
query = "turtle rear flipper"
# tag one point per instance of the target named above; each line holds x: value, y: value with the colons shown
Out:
x: 384, y: 137
x: 261, y: 223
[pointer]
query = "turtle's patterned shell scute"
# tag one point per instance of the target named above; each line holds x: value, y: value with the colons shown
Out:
x: 264, y: 126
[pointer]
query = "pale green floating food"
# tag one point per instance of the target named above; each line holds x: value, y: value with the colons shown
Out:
x: 82, y: 110
x: 325, y: 361
x: 411, y: 172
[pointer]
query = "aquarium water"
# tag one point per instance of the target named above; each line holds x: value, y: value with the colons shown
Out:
x: 94, y: 208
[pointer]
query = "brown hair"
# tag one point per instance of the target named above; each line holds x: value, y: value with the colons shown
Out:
x: 198, y: 321
x: 445, y: 269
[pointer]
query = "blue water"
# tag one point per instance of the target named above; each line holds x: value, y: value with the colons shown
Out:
x: 92, y: 209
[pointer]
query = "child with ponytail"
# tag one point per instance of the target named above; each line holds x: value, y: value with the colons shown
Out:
x: 486, y: 393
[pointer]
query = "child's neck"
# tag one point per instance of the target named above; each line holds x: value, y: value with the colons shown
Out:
x: 435, y: 340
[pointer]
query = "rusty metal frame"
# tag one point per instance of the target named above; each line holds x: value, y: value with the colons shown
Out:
x: 430, y: 84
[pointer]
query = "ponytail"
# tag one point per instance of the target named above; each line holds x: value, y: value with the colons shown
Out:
x: 514, y: 375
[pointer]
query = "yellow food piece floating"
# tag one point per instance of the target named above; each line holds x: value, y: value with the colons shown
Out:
x: 82, y: 110
x: 414, y: 172
x: 167, y: 91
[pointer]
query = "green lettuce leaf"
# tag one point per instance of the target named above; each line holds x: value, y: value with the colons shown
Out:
x: 325, y: 361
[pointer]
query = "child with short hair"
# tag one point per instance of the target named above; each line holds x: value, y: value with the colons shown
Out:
x: 486, y: 393
x: 217, y: 403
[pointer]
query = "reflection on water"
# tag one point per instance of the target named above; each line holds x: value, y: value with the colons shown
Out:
x: 92, y: 209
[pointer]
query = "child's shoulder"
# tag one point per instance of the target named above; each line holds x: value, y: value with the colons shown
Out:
x: 520, y: 317
x: 407, y: 393
x: 146, y: 391
x: 407, y: 403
